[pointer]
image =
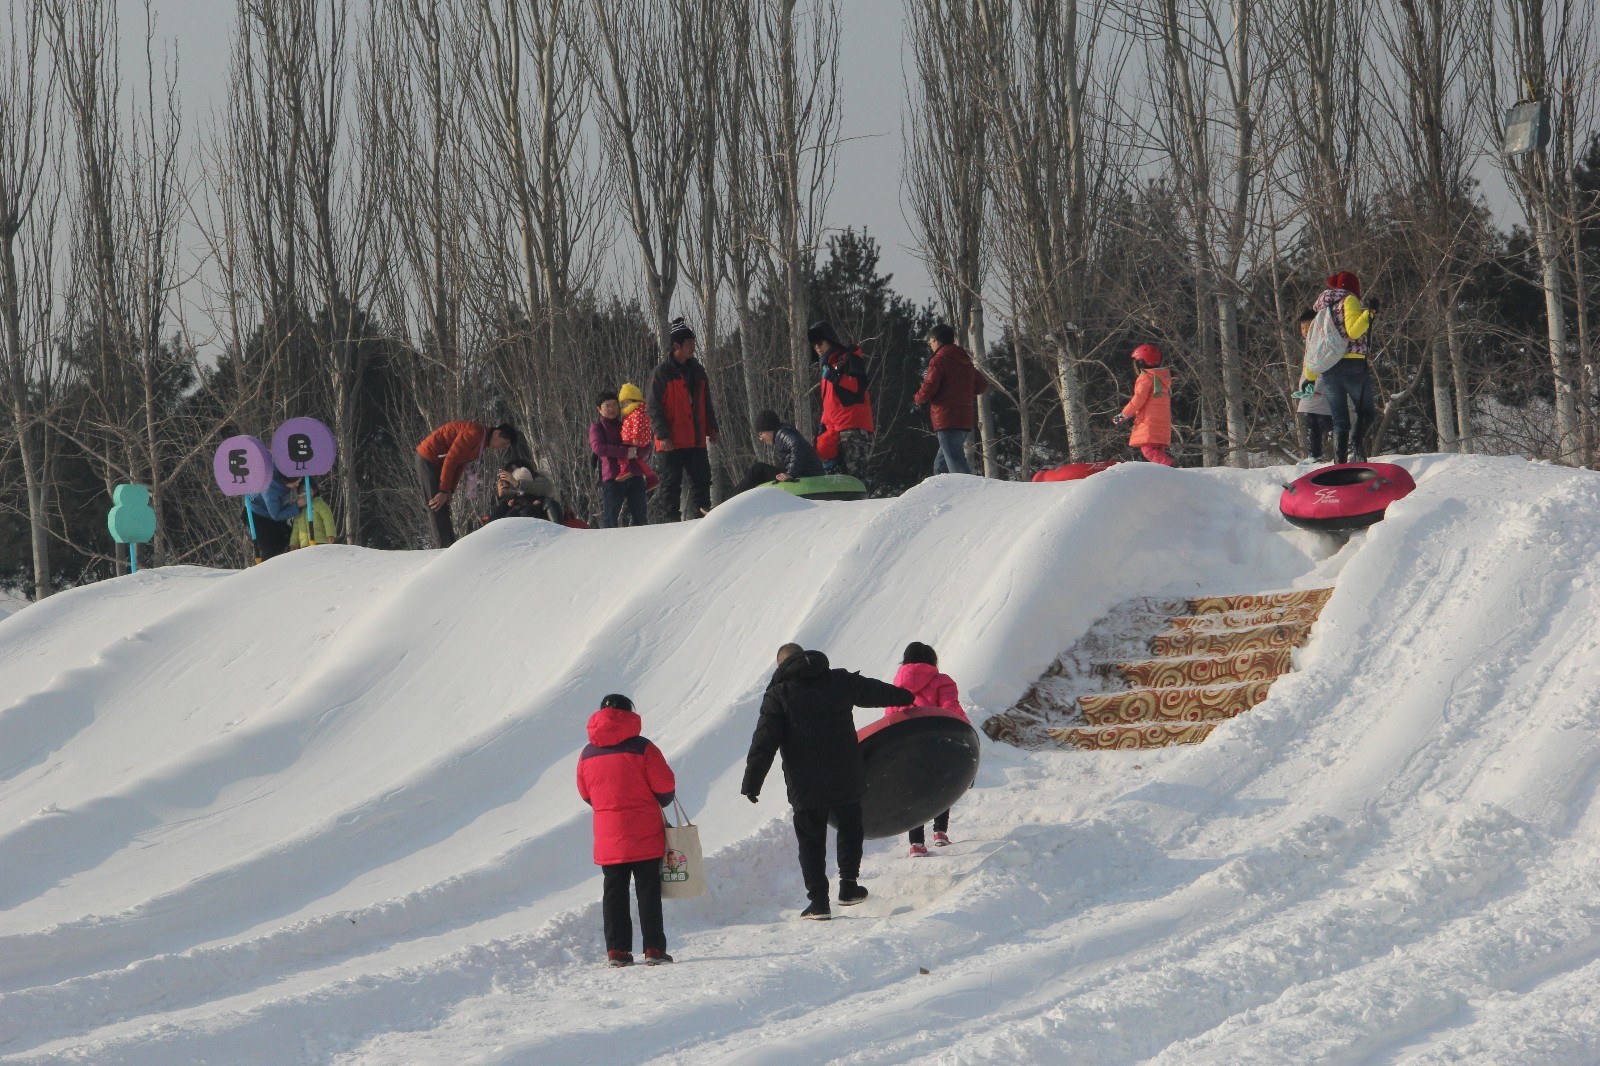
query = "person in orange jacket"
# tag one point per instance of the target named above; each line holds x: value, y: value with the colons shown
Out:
x: 443, y: 455
x: 1151, y: 406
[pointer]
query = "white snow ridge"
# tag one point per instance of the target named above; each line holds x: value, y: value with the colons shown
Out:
x: 322, y: 811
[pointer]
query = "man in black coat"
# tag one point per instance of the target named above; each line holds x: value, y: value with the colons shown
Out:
x: 806, y: 715
x: 795, y: 456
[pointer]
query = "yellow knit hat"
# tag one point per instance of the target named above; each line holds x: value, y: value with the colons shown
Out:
x: 629, y: 393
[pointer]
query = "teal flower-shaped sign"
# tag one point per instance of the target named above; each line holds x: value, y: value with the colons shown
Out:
x: 131, y: 521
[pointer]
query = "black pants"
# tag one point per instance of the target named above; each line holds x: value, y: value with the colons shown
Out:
x: 674, y: 465
x: 614, y: 494
x: 811, y: 829
x: 272, y: 537
x: 760, y: 474
x: 1318, y: 427
x: 646, y: 878
x: 444, y: 531
x: 941, y: 822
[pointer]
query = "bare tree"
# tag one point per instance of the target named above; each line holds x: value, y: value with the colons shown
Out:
x: 1545, y: 48
x: 947, y: 175
x: 29, y: 197
x: 792, y: 81
x: 646, y: 74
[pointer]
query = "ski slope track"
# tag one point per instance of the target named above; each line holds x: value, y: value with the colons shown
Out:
x: 322, y: 810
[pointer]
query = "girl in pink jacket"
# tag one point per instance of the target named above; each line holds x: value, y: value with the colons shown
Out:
x: 919, y: 674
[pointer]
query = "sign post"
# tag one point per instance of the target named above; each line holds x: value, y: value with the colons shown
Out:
x: 305, y: 447
x: 132, y: 520
x: 243, y: 467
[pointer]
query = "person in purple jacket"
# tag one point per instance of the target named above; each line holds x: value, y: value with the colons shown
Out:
x: 622, y: 470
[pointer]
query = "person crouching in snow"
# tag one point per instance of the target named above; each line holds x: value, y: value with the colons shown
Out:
x: 627, y: 781
x: 919, y: 675
x: 1151, y: 407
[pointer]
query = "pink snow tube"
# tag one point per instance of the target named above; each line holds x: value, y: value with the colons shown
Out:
x: 1344, y: 496
x: 1071, y: 471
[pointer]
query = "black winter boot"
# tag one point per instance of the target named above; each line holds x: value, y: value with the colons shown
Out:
x: 1341, y: 447
x: 850, y: 893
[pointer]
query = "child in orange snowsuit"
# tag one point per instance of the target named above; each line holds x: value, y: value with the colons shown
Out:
x: 1151, y: 407
x: 636, y: 433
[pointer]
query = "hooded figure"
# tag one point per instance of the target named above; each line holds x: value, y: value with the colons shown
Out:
x: 807, y: 716
x: 1151, y: 406
x: 627, y: 781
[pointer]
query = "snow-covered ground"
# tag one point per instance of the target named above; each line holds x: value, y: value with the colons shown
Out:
x: 322, y: 810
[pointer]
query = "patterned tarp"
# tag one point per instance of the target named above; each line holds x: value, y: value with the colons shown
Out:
x: 1208, y: 704
x: 1262, y: 664
x: 1131, y: 736
x: 1231, y: 642
x: 1211, y: 664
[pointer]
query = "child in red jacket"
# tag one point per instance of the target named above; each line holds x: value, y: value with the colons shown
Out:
x: 919, y: 674
x: 627, y: 781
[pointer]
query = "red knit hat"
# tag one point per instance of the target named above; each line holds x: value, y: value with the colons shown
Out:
x: 1346, y: 281
x: 1148, y: 354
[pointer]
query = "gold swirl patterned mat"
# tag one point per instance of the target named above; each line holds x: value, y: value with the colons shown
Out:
x: 1215, y: 662
x: 1260, y: 602
x: 1231, y: 642
x: 1261, y: 664
x: 1121, y: 737
x: 1208, y: 704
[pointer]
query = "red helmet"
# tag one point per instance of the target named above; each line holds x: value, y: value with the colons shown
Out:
x: 1148, y: 354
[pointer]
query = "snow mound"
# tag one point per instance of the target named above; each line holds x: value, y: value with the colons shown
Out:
x: 322, y: 810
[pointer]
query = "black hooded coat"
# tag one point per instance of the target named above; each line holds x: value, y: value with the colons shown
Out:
x: 806, y: 715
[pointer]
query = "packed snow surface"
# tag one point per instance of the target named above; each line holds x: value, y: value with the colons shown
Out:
x: 322, y: 810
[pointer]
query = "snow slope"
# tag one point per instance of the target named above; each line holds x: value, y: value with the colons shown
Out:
x: 322, y: 810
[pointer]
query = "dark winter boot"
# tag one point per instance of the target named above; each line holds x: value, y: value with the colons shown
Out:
x: 1341, y: 447
x: 850, y: 893
x: 817, y: 912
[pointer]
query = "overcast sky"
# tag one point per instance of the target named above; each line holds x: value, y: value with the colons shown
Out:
x: 867, y: 182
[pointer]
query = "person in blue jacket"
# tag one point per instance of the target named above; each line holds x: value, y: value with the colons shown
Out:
x: 274, y: 512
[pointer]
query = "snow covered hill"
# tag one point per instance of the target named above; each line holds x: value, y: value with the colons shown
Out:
x: 322, y: 810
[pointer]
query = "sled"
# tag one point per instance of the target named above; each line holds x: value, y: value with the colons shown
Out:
x: 823, y: 487
x: 919, y: 763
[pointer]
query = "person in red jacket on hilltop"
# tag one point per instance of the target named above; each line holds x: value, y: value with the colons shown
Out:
x: 846, y: 401
x: 1151, y: 406
x: 919, y: 674
x: 441, y: 458
x: 684, y: 422
x: 948, y: 391
x: 627, y: 781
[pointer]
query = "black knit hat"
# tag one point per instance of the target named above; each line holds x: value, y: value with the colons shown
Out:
x: 918, y: 652
x: 768, y: 421
x: 617, y: 702
x: 822, y: 330
x: 681, y: 331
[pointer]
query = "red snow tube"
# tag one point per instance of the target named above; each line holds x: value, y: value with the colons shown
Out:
x: 919, y: 762
x: 1345, y: 496
x: 1072, y: 471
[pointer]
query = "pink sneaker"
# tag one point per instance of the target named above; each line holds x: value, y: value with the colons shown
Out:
x: 940, y: 840
x: 919, y: 851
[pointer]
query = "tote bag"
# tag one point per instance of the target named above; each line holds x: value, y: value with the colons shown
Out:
x: 683, y: 874
x: 1325, y: 345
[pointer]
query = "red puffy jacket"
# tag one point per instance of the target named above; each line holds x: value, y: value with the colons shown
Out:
x: 846, y: 403
x: 680, y: 405
x: 451, y: 447
x: 627, y: 781
x: 950, y: 388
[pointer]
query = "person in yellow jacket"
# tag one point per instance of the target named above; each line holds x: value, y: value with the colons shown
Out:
x: 321, y: 524
x: 1348, y: 383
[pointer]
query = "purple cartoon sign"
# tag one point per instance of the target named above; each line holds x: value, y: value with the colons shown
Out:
x: 303, y: 447
x: 242, y: 466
